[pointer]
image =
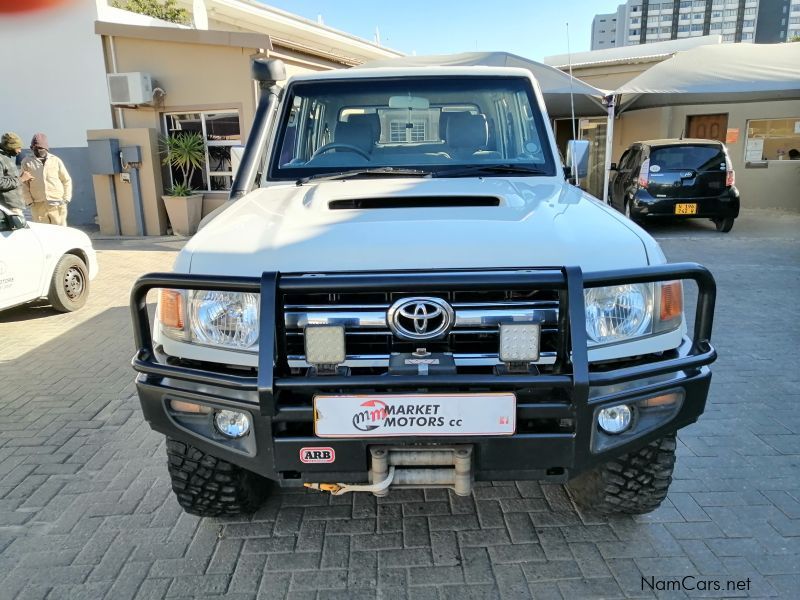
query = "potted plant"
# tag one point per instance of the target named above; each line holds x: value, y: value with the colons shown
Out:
x: 186, y: 153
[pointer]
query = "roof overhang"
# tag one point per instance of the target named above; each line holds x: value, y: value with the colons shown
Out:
x: 235, y: 39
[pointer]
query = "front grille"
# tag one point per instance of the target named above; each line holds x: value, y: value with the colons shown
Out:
x: 473, y: 340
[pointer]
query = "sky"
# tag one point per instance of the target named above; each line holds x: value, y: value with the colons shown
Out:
x: 531, y: 28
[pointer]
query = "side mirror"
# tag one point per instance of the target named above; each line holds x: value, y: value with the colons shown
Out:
x: 16, y: 222
x: 237, y: 152
x: 578, y: 156
x: 613, y: 167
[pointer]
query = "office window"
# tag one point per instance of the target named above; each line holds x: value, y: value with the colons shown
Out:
x: 731, y: 12
x: 685, y: 17
x: 747, y: 35
x: 685, y: 4
x: 220, y: 130
x: 633, y: 32
x: 683, y: 28
x: 795, y: 7
x: 699, y: 16
x: 716, y: 14
x: 666, y: 17
x: 728, y: 37
x: 749, y: 11
x: 749, y: 23
x: 794, y: 20
x: 697, y: 27
x: 634, y: 20
x: 772, y: 139
x: 715, y: 26
x: 699, y: 3
x: 729, y: 25
x: 652, y: 30
x: 666, y: 30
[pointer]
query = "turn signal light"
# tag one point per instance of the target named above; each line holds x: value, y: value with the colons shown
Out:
x: 668, y: 399
x: 671, y: 300
x: 170, y: 309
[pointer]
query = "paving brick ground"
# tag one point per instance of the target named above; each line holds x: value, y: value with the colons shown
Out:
x: 86, y: 510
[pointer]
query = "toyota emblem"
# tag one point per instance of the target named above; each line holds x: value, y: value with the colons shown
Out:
x: 420, y: 318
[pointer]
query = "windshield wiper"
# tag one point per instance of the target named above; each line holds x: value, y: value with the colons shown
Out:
x: 391, y: 171
x: 477, y: 170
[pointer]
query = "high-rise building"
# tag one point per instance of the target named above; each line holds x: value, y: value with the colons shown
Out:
x: 643, y: 21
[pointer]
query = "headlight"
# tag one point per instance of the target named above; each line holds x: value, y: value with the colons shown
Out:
x: 623, y: 312
x: 212, y: 318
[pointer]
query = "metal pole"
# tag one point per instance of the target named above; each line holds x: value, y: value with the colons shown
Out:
x: 112, y: 190
x: 138, y: 208
x: 609, y: 146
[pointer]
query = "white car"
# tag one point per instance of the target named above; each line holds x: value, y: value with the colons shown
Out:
x: 44, y: 261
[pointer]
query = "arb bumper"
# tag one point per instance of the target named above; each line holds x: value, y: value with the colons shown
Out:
x: 557, y: 433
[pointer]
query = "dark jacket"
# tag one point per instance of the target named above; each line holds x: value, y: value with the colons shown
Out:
x: 10, y: 192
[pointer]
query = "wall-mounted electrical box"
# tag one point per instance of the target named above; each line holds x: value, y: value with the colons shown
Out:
x: 104, y: 157
x: 130, y: 88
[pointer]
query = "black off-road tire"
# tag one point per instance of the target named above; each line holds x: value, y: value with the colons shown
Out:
x: 723, y: 225
x: 207, y: 486
x: 69, y: 286
x: 634, y: 483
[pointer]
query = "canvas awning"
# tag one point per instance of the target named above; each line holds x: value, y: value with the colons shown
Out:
x: 715, y: 74
x: 556, y: 85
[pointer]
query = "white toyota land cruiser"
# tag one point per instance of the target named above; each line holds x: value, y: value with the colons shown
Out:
x: 406, y: 292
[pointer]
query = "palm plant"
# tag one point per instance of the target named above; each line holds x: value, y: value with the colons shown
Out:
x: 186, y: 153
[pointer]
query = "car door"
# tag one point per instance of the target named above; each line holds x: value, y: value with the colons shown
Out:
x: 21, y: 263
x: 616, y: 180
x: 627, y: 171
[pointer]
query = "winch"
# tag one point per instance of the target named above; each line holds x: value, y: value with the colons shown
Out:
x: 394, y: 467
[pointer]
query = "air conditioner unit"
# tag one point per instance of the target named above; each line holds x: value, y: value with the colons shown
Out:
x: 130, y: 88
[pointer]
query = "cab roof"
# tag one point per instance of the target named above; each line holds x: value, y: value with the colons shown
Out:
x: 398, y: 72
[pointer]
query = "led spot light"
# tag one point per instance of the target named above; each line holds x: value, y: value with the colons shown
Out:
x: 519, y: 342
x: 324, y: 344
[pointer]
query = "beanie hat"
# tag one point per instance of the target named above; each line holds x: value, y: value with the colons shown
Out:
x: 40, y: 139
x: 11, y: 141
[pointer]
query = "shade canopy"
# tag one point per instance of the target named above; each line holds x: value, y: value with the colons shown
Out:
x: 556, y: 85
x: 717, y: 73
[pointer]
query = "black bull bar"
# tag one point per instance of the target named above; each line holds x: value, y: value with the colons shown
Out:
x: 572, y: 373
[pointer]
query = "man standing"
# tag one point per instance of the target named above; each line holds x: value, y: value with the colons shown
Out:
x: 49, y: 189
x: 10, y: 182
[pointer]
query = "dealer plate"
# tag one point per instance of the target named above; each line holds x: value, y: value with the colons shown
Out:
x: 686, y: 209
x: 394, y: 415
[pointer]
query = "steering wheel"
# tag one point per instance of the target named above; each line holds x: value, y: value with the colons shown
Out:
x: 338, y: 146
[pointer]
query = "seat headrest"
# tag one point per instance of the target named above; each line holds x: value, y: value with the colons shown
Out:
x: 370, y: 119
x: 354, y: 134
x: 465, y: 130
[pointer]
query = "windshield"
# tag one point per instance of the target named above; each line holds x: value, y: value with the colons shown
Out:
x: 431, y: 124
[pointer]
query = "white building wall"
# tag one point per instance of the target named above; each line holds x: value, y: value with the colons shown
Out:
x: 54, y: 82
x: 54, y: 71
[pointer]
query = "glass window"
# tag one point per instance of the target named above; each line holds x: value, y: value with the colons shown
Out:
x: 697, y: 27
x: 716, y: 14
x: 697, y: 158
x: 716, y: 26
x: 427, y: 123
x: 686, y: 4
x: 686, y: 16
x: 728, y: 37
x: 634, y: 20
x: 683, y: 28
x: 730, y: 12
x: 748, y: 23
x: 773, y: 139
x: 699, y: 3
x: 220, y: 130
x: 750, y: 11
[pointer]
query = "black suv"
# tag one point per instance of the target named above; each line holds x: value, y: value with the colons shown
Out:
x: 686, y: 178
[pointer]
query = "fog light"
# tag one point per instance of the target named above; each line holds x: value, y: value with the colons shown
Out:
x: 324, y: 345
x: 615, y: 419
x: 232, y: 423
x: 519, y: 342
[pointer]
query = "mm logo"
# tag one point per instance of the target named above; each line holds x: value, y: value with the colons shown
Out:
x: 317, y: 455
